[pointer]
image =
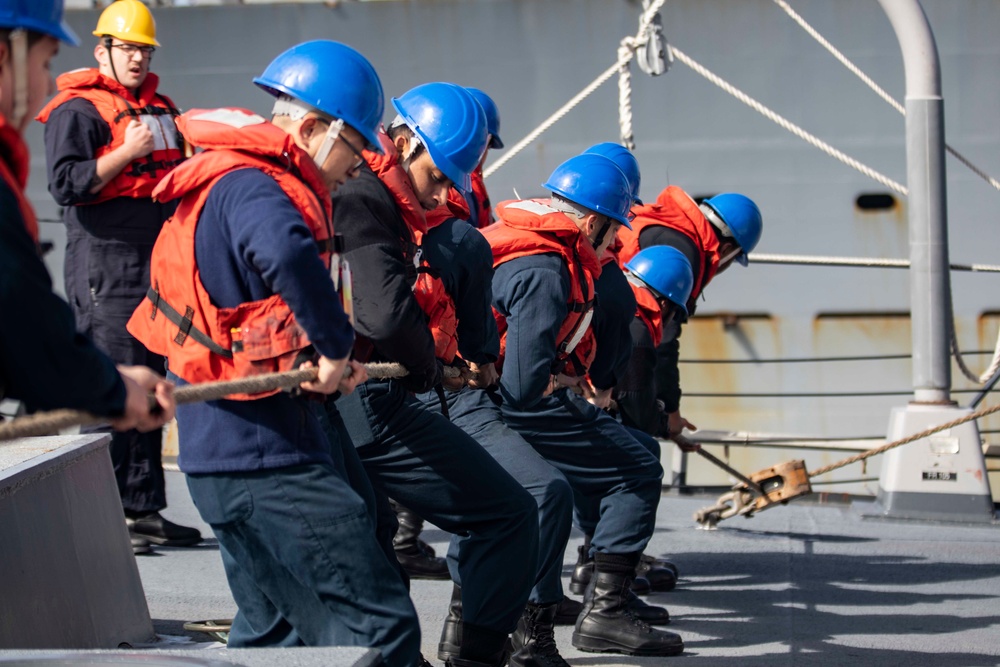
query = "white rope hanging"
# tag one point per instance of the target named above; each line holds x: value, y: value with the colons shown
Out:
x: 785, y: 123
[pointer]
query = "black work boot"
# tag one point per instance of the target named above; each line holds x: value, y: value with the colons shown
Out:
x: 662, y: 575
x: 647, y: 612
x: 451, y: 632
x: 659, y: 562
x: 480, y: 647
x: 155, y: 529
x: 584, y: 570
x: 534, y: 641
x: 607, y: 625
x: 567, y: 611
x: 414, y: 555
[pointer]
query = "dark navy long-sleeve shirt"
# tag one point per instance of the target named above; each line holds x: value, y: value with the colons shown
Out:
x: 532, y: 293
x: 668, y: 376
x: 44, y: 362
x: 612, y: 320
x: 386, y: 312
x: 250, y: 243
x: 465, y: 261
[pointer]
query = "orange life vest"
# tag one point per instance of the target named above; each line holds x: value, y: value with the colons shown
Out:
x: 482, y: 198
x: 648, y: 310
x: 118, y: 107
x: 532, y: 227
x: 428, y: 290
x: 675, y: 209
x: 178, y: 319
x: 14, y: 166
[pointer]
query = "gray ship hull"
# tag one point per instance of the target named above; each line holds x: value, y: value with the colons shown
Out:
x: 532, y: 56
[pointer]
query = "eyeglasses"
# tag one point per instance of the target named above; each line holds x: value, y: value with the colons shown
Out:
x: 357, y: 153
x: 131, y: 49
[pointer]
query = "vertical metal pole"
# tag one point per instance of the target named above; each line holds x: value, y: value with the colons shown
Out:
x: 943, y: 477
x: 930, y: 286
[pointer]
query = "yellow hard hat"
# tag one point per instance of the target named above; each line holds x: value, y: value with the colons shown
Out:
x: 129, y: 21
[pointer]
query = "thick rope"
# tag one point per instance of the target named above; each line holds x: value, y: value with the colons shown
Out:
x: 53, y: 421
x: 625, y: 52
x: 908, y: 439
x: 986, y: 375
x: 875, y: 88
x: 787, y: 124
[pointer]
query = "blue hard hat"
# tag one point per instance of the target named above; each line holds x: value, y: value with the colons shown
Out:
x: 44, y: 16
x: 333, y: 78
x: 625, y: 160
x: 492, y: 116
x: 594, y: 182
x: 666, y: 271
x: 450, y: 123
x: 743, y: 218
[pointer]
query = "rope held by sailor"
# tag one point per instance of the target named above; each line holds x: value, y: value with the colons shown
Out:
x: 53, y: 421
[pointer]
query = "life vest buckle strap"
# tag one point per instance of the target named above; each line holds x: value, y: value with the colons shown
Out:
x: 152, y: 166
x: 146, y: 111
x: 154, y: 297
x: 185, y: 324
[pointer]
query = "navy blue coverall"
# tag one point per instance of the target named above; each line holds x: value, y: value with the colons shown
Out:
x: 465, y: 261
x: 415, y: 456
x: 604, y: 464
x: 297, y: 541
x: 108, y: 246
x: 615, y: 313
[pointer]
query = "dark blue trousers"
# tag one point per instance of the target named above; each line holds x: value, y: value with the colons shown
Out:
x: 438, y: 471
x: 477, y: 412
x: 587, y: 515
x: 302, y: 561
x: 106, y: 279
x: 606, y: 467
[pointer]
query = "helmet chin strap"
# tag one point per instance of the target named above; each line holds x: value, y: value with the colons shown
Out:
x: 111, y: 59
x: 601, y: 234
x: 731, y: 255
x: 332, y: 133
x: 19, y: 68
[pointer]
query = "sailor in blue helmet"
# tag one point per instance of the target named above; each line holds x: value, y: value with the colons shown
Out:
x: 546, y: 258
x: 612, y: 328
x: 460, y: 257
x: 662, y: 279
x: 247, y: 258
x: 713, y: 235
x: 44, y: 362
x: 478, y: 200
x: 412, y: 455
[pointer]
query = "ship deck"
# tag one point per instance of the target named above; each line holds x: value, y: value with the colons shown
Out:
x: 803, y: 584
